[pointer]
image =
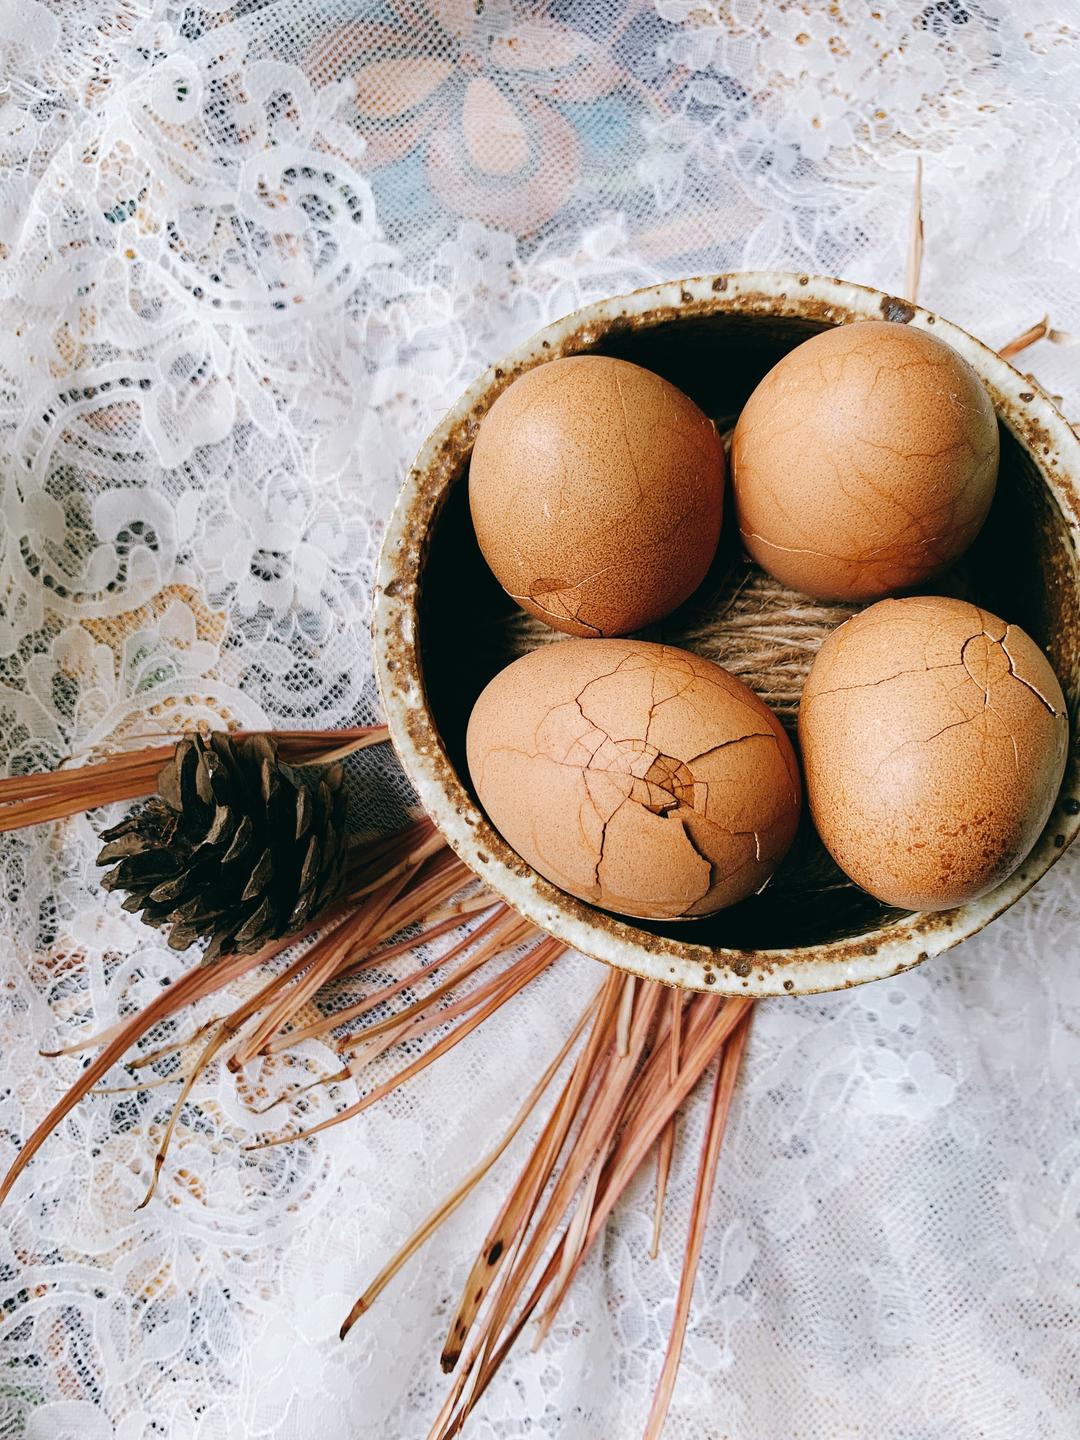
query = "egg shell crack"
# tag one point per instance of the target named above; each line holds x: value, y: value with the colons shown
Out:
x: 634, y: 784
x: 922, y: 822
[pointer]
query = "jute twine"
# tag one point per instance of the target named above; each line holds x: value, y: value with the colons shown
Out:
x: 743, y: 619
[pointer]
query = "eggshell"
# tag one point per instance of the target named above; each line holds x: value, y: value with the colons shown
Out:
x: 596, y: 491
x: 638, y: 777
x: 933, y: 738
x: 865, y: 461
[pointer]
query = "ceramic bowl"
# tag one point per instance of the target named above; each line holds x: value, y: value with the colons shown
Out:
x: 443, y: 628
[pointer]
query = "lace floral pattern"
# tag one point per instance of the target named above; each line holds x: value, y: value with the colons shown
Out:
x: 248, y: 254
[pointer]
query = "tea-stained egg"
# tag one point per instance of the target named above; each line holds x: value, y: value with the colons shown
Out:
x: 933, y: 739
x: 639, y: 777
x: 596, y: 490
x: 864, y: 462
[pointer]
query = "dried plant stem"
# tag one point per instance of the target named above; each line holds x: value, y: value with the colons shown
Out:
x: 708, y: 1026
x: 597, y: 1128
x: 287, y: 992
x: 294, y: 1092
x: 251, y: 1007
x: 380, y: 954
x: 661, y: 1103
x: 373, y: 849
x: 584, y: 1165
x: 571, y: 1248
x: 54, y: 795
x: 650, y: 1081
x: 75, y: 797
x: 1026, y: 338
x: 44, y: 785
x: 447, y: 1206
x: 323, y: 960
x: 264, y: 956
x: 307, y: 750
x: 192, y: 985
x: 323, y: 747
x: 517, y: 1209
x: 97, y: 1037
x: 597, y: 1125
x: 503, y: 987
x: 414, y: 908
x: 425, y: 875
x: 913, y: 270
x: 424, y: 1014
x: 707, y: 1031
x: 213, y: 1045
x: 374, y: 861
x: 440, y: 880
x: 526, y: 969
x: 724, y: 1088
x: 470, y: 905
x: 626, y: 1010
x: 666, y: 1144
x: 408, y: 1024
x: 404, y: 869
x: 138, y: 1087
x: 162, y: 1050
x: 498, y: 928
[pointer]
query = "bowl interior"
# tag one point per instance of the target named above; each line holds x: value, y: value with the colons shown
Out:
x: 1021, y: 567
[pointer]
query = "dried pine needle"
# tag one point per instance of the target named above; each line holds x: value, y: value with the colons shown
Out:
x: 666, y: 1144
x: 724, y: 1088
x: 1041, y: 330
x: 709, y: 1027
x: 516, y: 977
x: 502, y: 918
x: 469, y: 1183
x: 181, y: 1044
x: 626, y: 1009
x: 192, y: 985
x: 213, y: 1045
x: 132, y: 774
x: 913, y: 269
x: 517, y: 1209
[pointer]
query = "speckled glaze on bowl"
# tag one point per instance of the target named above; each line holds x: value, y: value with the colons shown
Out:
x: 438, y: 629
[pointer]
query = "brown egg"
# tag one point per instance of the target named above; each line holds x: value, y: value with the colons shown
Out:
x: 933, y: 739
x: 638, y: 777
x: 596, y: 491
x: 864, y: 462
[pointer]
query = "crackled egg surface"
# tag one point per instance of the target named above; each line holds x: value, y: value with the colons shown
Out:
x: 638, y: 777
x: 864, y: 462
x: 596, y: 491
x: 933, y: 738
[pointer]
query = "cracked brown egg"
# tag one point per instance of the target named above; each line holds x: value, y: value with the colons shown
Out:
x: 864, y: 462
x: 639, y: 777
x: 596, y: 490
x: 933, y: 738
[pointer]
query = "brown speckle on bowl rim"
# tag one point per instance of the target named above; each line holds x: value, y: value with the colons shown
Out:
x: 837, y: 964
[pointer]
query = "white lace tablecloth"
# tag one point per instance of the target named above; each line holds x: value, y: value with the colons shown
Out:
x: 249, y: 252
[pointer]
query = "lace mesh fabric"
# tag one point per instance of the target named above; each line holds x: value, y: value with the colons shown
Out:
x: 248, y: 254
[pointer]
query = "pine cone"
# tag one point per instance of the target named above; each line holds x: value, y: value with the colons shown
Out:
x: 235, y: 847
